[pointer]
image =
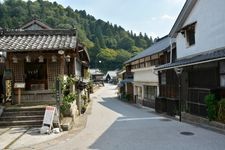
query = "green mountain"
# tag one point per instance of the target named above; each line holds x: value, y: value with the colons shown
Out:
x: 106, y: 42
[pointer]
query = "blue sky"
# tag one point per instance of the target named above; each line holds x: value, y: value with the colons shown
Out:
x: 154, y: 17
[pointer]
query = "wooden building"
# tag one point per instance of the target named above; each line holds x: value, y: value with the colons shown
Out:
x: 111, y: 77
x: 37, y: 54
x: 97, y: 76
x: 200, y: 59
x: 145, y: 83
x: 126, y: 79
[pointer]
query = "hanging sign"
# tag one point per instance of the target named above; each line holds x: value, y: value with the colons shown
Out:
x: 8, y: 88
x: 19, y: 85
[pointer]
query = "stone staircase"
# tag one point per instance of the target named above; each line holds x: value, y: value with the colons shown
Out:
x: 22, y: 116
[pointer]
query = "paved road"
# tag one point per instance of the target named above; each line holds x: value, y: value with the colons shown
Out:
x: 115, y: 125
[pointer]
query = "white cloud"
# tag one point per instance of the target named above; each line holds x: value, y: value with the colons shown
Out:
x: 167, y: 17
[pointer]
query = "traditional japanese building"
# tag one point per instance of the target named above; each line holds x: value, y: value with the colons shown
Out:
x: 35, y: 55
x: 200, y: 59
x: 111, y: 76
x: 125, y: 86
x: 145, y: 78
x: 96, y: 76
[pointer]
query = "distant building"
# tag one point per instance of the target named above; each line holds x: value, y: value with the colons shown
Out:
x: 125, y: 85
x: 111, y: 76
x: 96, y: 76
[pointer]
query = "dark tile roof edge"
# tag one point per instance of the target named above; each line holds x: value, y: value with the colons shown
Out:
x: 158, y: 42
x: 29, y: 50
x: 189, y: 60
x: 20, y: 32
x: 186, y: 10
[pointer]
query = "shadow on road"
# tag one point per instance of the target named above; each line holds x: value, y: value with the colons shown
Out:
x: 125, y: 109
x: 127, y: 130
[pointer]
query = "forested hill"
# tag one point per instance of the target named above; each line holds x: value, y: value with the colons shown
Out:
x: 105, y: 41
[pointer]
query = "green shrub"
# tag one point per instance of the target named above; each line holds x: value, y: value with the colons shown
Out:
x: 68, y: 97
x: 66, y: 103
x: 211, y: 105
x: 221, y: 110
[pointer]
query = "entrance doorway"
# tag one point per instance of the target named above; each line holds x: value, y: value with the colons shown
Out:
x: 36, y: 75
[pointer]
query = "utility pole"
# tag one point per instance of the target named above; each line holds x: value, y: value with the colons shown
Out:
x: 179, y: 73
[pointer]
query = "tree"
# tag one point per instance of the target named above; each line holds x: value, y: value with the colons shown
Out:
x: 100, y: 37
x: 94, y: 34
x: 126, y: 43
x: 111, y: 43
x: 122, y: 56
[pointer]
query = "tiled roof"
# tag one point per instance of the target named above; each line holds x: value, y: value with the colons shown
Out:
x: 161, y: 45
x: 36, y: 22
x: 36, y: 40
x: 112, y: 73
x: 208, y: 56
x: 95, y: 72
x: 185, y: 12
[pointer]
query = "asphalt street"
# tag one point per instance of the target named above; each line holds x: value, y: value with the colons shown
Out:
x: 116, y: 125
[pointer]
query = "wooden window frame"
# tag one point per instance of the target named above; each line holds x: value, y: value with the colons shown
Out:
x: 189, y: 33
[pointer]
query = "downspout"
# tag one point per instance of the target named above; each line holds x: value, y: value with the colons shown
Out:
x: 171, y: 50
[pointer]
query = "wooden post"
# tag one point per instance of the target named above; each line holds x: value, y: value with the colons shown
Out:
x: 19, y: 86
x: 19, y: 96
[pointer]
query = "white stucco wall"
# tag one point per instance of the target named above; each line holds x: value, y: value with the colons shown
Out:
x: 210, y: 28
x: 145, y: 75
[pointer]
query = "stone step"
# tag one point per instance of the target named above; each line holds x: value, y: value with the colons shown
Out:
x: 19, y: 118
x: 21, y: 123
x: 16, y: 109
x: 22, y: 113
x: 26, y: 116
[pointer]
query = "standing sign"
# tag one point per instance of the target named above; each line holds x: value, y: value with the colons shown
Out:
x: 49, y: 116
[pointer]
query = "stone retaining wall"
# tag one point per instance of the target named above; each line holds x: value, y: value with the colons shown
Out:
x: 203, y: 122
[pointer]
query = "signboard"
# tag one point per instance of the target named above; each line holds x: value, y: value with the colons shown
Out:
x: 58, y: 90
x: 8, y: 88
x: 8, y: 85
x: 19, y: 85
x: 49, y: 115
